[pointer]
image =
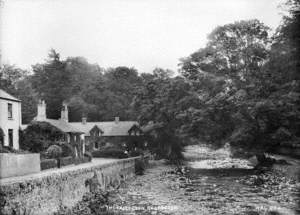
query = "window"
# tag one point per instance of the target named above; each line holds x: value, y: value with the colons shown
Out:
x: 11, y: 137
x: 10, y: 112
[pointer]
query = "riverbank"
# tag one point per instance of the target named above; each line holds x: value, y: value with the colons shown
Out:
x: 208, y: 190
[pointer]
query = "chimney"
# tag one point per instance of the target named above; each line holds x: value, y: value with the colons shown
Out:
x: 41, y: 111
x: 64, y: 114
x: 117, y: 119
x: 84, y: 120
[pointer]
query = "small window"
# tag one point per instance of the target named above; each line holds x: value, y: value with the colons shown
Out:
x: 10, y: 111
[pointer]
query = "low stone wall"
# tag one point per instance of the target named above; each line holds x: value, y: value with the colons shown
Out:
x: 18, y: 164
x: 44, y: 193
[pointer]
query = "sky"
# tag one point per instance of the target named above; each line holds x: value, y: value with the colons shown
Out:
x: 144, y: 34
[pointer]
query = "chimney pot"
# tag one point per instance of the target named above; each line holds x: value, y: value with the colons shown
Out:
x: 41, y: 110
x: 64, y: 112
x: 84, y: 120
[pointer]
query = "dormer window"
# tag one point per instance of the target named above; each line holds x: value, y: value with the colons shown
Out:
x: 10, y: 110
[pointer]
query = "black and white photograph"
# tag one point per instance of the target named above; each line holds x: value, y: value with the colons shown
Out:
x: 149, y: 107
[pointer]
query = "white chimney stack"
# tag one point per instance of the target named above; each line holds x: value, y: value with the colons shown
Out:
x: 41, y: 111
x: 84, y: 120
x: 117, y: 119
x: 64, y: 114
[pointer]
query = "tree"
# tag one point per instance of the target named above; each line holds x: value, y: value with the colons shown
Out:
x: 51, y: 82
x: 9, y: 77
x: 227, y: 74
x: 164, y: 100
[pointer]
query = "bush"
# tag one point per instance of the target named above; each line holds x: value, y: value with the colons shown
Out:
x: 48, y: 163
x: 38, y: 136
x: 139, y: 167
x: 64, y: 161
x: 67, y: 150
x: 54, y: 151
x: 110, y: 153
x: 80, y: 160
x: 88, y: 155
x: 136, y: 153
x: 8, y: 149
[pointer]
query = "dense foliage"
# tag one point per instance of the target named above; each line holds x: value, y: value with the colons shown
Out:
x: 241, y: 88
x: 38, y: 136
x: 110, y: 153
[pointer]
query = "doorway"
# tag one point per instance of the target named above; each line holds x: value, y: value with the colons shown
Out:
x: 11, y: 138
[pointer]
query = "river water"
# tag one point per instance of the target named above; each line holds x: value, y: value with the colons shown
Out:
x: 213, y: 183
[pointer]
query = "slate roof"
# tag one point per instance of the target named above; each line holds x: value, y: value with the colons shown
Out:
x: 63, y: 126
x: 109, y: 129
x: 5, y: 95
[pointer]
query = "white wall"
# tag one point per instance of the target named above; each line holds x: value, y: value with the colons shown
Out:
x: 12, y: 164
x: 13, y: 123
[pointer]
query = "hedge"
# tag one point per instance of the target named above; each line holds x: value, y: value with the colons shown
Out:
x: 64, y: 161
x: 48, y: 163
x: 109, y: 153
x: 80, y: 160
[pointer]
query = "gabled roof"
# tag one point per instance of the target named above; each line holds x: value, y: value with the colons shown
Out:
x: 6, y: 96
x: 63, y: 126
x: 111, y: 128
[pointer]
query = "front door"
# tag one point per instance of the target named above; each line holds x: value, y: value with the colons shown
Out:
x: 11, y: 138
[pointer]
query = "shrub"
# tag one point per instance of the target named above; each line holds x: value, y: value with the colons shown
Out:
x: 79, y: 160
x: 139, y: 166
x: 136, y: 153
x: 54, y: 151
x: 64, y: 161
x: 8, y: 149
x: 48, y: 163
x: 67, y: 150
x: 88, y: 155
x: 38, y: 136
x: 110, y: 153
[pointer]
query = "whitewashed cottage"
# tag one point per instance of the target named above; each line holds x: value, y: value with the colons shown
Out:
x: 10, y: 119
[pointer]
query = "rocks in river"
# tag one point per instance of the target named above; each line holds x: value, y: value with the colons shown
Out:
x: 190, y: 189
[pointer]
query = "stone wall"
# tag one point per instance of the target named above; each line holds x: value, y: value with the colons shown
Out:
x: 44, y: 193
x: 12, y: 164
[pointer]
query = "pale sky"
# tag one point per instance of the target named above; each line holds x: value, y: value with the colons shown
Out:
x: 136, y: 33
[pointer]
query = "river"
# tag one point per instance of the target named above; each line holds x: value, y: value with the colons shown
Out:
x: 212, y: 184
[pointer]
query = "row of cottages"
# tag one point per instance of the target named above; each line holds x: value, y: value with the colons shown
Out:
x: 83, y: 135
x: 10, y: 120
x: 90, y: 135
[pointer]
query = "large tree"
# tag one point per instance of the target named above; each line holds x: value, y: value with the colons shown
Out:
x: 164, y: 100
x: 238, y: 91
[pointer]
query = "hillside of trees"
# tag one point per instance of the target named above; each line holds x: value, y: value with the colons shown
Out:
x: 241, y: 88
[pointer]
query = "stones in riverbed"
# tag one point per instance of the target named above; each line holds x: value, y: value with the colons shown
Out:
x: 190, y: 189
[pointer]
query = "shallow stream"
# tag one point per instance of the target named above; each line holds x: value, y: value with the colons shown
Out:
x: 213, y: 183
